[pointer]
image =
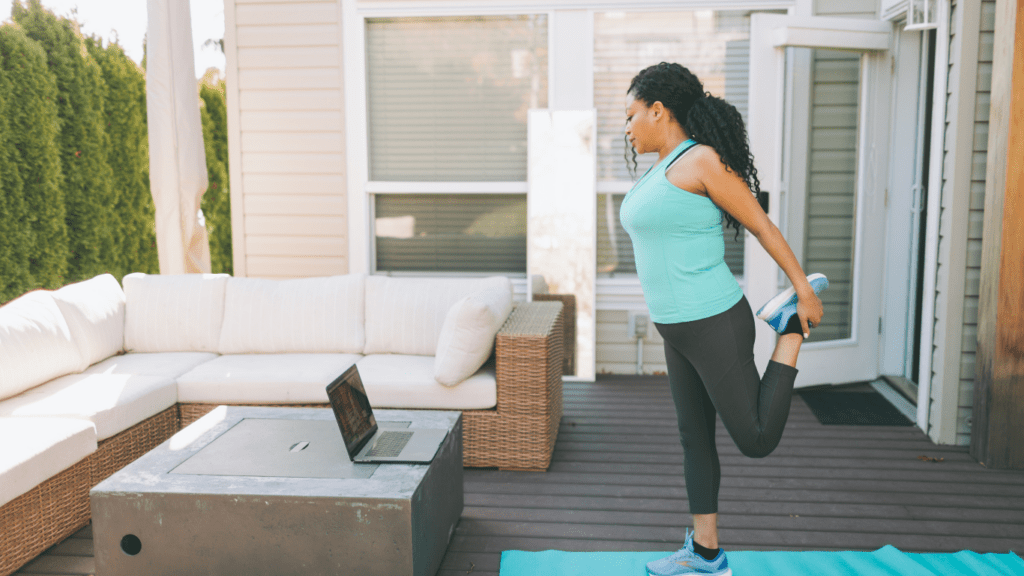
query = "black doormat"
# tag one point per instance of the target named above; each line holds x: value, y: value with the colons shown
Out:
x: 853, y: 408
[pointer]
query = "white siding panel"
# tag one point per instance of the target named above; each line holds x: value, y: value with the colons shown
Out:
x: 296, y: 267
x: 288, y: 57
x: 293, y: 142
x: 289, y: 225
x: 292, y: 245
x: 292, y: 100
x: 854, y: 8
x: 286, y: 13
x: 290, y: 79
x: 292, y: 120
x: 302, y: 35
x: 288, y: 183
x: 278, y: 163
x: 616, y: 351
x: 296, y: 204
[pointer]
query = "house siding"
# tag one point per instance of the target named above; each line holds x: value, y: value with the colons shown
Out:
x: 291, y: 138
x: 960, y: 222
x: 976, y: 216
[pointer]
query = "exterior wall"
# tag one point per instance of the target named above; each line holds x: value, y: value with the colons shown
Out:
x: 974, y: 223
x: 960, y: 216
x: 288, y: 137
x: 617, y: 349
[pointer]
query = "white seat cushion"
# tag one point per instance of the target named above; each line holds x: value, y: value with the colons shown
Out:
x: 301, y: 315
x: 264, y: 378
x: 173, y: 313
x: 467, y: 336
x: 165, y: 364
x: 405, y: 315
x: 113, y: 402
x: 406, y: 381
x: 94, y: 311
x: 35, y: 449
x: 35, y: 343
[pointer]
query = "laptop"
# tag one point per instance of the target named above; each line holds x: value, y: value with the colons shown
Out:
x: 364, y: 441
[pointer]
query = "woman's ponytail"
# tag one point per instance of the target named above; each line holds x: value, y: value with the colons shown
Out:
x: 713, y: 121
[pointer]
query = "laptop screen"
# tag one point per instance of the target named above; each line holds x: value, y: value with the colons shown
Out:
x: 352, y: 410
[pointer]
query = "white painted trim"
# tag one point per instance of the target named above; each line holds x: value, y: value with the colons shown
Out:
x: 614, y: 186
x: 378, y: 187
x: 237, y: 185
x: 834, y: 33
x: 894, y: 9
x: 354, y: 57
x: 957, y: 207
x: 895, y: 398
x: 931, y: 250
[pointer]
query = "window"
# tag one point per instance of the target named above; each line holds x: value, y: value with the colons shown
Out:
x: 447, y: 102
x: 714, y: 45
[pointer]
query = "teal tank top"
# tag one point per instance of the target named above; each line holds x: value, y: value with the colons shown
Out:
x: 679, y: 248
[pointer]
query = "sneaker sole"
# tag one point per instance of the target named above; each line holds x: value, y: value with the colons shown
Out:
x: 773, y: 305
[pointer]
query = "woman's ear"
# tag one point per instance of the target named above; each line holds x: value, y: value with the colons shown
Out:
x: 657, y: 110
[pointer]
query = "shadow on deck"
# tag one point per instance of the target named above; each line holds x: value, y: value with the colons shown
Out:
x: 616, y: 483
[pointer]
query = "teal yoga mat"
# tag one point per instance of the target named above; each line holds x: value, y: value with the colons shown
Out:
x: 886, y: 561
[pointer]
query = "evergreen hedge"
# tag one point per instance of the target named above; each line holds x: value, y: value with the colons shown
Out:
x: 133, y: 230
x: 216, y: 202
x: 82, y: 142
x: 33, y: 247
x: 74, y: 158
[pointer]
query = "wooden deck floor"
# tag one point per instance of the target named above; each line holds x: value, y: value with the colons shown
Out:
x: 616, y: 483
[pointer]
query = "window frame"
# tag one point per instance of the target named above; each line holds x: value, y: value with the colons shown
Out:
x: 361, y: 191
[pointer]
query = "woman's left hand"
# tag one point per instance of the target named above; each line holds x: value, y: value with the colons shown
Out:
x: 810, y: 311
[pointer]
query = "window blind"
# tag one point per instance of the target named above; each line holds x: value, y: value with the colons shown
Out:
x: 714, y: 45
x: 451, y: 233
x: 447, y: 98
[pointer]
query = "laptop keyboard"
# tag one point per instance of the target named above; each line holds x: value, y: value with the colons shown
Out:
x: 390, y: 444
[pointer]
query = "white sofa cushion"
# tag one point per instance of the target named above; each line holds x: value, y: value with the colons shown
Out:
x: 113, y: 402
x: 301, y: 315
x: 94, y: 311
x: 35, y: 343
x: 404, y: 315
x: 173, y: 313
x: 406, y: 381
x: 164, y: 364
x: 35, y: 449
x: 263, y: 378
x: 467, y: 336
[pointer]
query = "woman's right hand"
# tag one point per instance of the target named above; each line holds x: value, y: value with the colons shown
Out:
x: 810, y: 311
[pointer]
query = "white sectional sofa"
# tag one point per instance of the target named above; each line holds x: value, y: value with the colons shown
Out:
x: 92, y: 376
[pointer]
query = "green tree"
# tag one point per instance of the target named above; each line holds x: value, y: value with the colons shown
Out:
x: 216, y: 202
x: 82, y: 141
x: 34, y: 250
x: 124, y: 105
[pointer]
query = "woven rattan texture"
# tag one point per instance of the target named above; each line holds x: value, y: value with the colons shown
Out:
x: 44, y: 516
x: 125, y: 447
x: 568, y: 328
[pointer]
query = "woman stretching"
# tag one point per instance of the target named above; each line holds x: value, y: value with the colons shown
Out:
x: 673, y: 215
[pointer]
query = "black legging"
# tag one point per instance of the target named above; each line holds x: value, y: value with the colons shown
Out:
x: 711, y: 368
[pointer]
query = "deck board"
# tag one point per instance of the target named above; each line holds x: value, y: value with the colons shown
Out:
x: 616, y: 483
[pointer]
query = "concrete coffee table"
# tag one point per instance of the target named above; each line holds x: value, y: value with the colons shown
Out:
x: 229, y: 495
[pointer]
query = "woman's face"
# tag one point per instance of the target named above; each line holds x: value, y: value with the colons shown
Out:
x: 640, y: 125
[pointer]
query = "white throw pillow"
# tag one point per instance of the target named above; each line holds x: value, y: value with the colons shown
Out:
x: 35, y: 343
x: 303, y: 315
x: 173, y: 313
x: 94, y: 311
x: 467, y: 336
x: 405, y: 315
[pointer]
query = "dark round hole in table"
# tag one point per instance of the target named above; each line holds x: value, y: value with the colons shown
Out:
x: 131, y: 544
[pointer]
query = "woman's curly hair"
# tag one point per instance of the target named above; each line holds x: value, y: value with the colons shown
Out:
x: 707, y: 119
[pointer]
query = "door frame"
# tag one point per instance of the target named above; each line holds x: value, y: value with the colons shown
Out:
x: 770, y: 35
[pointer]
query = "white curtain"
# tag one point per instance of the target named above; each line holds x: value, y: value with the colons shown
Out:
x: 177, y: 159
